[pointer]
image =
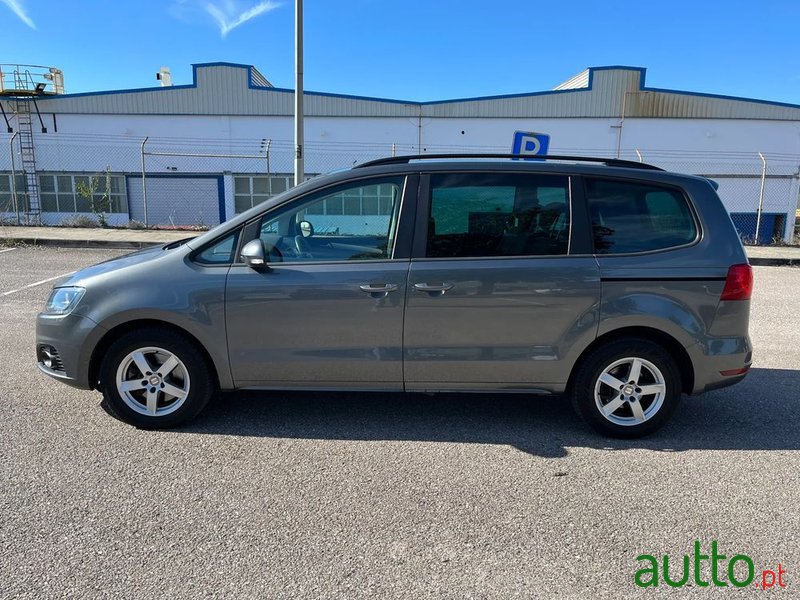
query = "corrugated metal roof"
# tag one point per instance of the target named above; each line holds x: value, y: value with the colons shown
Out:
x: 258, y: 78
x: 581, y: 80
x: 231, y: 89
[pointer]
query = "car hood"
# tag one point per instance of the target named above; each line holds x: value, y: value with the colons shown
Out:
x: 81, y: 277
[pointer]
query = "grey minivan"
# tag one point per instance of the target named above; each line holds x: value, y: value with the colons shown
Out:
x: 615, y: 283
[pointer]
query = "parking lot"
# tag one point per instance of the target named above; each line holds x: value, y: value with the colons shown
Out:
x: 386, y: 495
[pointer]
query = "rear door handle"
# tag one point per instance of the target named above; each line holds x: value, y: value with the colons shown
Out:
x: 378, y: 290
x: 433, y: 290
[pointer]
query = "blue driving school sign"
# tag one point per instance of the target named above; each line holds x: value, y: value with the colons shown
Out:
x: 530, y: 144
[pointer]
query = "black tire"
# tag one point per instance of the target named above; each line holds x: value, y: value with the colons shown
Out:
x: 622, y: 422
x: 200, y: 381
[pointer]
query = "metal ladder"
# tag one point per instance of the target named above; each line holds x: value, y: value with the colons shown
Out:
x: 33, y: 210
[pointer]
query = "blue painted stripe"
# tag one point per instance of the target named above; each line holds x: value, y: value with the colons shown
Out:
x: 179, y: 175
x: 221, y: 196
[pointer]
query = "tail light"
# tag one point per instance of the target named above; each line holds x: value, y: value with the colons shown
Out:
x: 739, y: 283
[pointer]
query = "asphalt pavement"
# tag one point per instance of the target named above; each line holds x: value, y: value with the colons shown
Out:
x: 319, y: 495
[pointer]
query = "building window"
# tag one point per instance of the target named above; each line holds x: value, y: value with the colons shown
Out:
x: 59, y: 192
x: 372, y: 200
x: 250, y: 190
x: 6, y: 195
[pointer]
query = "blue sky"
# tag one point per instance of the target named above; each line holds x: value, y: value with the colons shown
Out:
x: 415, y: 49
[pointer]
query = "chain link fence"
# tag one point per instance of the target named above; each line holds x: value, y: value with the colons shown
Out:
x: 195, y: 183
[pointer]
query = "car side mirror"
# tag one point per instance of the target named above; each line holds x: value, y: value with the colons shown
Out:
x: 306, y: 229
x: 253, y: 255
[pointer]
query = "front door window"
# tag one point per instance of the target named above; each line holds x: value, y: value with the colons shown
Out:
x: 357, y: 221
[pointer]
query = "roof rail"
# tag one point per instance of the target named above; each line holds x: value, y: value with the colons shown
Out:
x: 609, y: 162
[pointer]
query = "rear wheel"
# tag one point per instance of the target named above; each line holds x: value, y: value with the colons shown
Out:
x: 626, y: 388
x: 152, y: 378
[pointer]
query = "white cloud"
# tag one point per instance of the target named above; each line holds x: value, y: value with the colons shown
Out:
x: 227, y: 14
x: 18, y: 9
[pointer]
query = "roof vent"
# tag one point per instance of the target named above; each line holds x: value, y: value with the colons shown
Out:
x: 164, y: 75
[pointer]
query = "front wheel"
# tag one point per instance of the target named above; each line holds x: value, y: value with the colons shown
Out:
x: 152, y: 378
x: 626, y: 388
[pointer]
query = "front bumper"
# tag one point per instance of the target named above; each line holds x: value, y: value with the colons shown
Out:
x: 73, y: 338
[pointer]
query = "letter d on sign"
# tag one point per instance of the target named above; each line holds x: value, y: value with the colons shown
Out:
x: 530, y: 144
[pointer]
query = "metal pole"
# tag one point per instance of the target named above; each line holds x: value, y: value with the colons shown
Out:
x: 14, y: 176
x: 298, y: 92
x: 144, y: 182
x: 639, y: 154
x: 394, y: 149
x: 761, y: 197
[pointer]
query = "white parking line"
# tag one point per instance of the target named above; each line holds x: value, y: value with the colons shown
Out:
x: 7, y: 250
x: 30, y: 285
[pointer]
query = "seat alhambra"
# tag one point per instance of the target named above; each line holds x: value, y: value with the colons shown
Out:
x: 614, y: 284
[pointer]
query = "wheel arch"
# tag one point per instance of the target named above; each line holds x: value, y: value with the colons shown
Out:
x: 110, y: 336
x: 665, y: 340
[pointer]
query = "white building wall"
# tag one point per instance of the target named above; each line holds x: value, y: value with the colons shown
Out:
x: 91, y: 143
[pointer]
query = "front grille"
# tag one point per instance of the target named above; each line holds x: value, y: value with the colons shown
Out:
x: 48, y: 356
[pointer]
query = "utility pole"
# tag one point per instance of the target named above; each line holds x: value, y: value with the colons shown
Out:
x: 298, y: 93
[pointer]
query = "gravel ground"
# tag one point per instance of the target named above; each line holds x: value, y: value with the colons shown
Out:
x: 363, y: 495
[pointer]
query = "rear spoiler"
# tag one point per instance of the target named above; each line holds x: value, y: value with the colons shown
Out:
x: 713, y: 183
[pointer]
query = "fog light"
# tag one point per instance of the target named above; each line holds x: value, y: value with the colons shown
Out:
x: 48, y: 356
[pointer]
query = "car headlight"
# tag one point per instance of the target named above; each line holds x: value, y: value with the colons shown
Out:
x: 63, y: 300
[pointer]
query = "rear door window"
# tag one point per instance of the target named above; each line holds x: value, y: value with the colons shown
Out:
x: 637, y: 217
x: 498, y: 214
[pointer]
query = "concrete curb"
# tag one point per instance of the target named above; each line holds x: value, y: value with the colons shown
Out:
x: 64, y: 243
x: 774, y: 262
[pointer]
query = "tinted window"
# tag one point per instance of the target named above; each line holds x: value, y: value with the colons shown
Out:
x: 498, y: 214
x: 633, y: 217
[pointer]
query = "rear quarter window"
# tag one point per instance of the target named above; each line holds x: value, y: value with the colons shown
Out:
x: 637, y: 217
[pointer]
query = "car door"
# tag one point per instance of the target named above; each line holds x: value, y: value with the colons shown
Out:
x: 503, y: 291
x: 327, y: 311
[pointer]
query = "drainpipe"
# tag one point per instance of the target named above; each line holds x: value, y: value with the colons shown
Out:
x: 144, y: 182
x: 761, y: 197
x: 621, y: 124
x: 269, y: 175
x: 419, y: 129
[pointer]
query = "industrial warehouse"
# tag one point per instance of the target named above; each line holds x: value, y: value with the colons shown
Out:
x: 194, y: 155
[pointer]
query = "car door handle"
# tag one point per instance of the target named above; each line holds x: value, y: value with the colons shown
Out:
x: 378, y: 290
x: 433, y: 290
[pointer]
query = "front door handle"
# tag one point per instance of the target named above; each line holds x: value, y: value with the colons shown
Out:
x: 433, y: 290
x: 378, y: 290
